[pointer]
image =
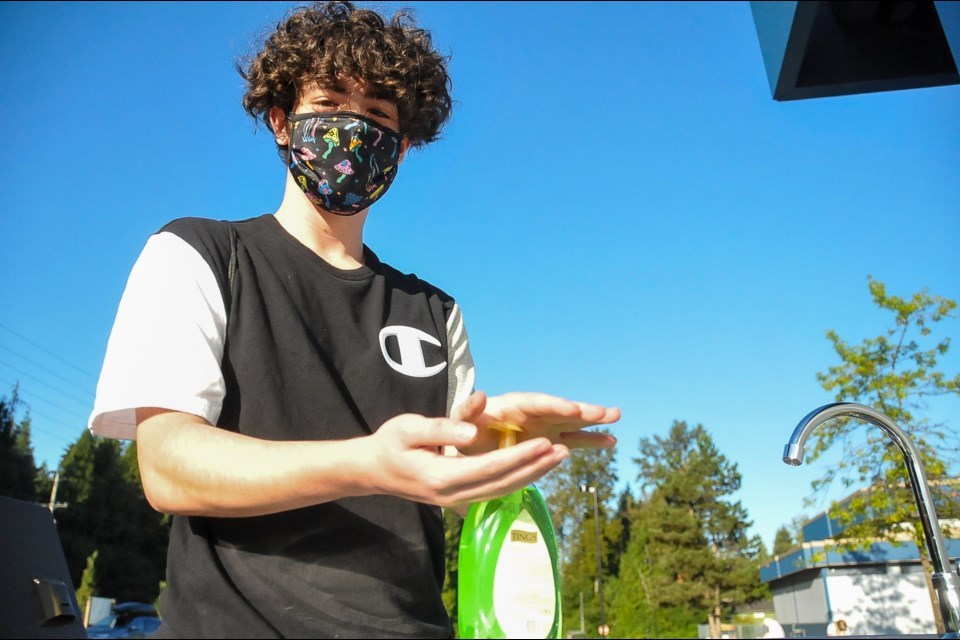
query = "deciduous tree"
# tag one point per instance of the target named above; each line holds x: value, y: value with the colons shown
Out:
x: 895, y: 373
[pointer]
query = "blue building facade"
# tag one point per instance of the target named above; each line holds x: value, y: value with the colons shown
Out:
x: 877, y: 590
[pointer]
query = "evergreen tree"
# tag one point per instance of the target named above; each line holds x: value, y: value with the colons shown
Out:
x: 43, y: 481
x: 691, y: 537
x: 107, y: 511
x: 572, y: 511
x: 146, y: 553
x: 633, y: 606
x: 783, y: 541
x: 626, y: 504
x: 88, y: 582
x: 17, y: 469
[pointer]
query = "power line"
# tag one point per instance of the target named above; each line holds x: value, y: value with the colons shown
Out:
x: 68, y: 415
x: 36, y: 429
x: 46, y: 384
x: 48, y: 352
x: 53, y: 453
x: 40, y: 366
x: 31, y: 395
x: 76, y: 428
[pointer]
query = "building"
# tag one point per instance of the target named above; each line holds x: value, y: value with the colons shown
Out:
x: 879, y: 590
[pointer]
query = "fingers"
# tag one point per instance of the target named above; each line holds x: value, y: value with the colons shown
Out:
x: 525, y: 408
x: 498, y: 473
x: 587, y: 440
x: 418, y: 432
x: 596, y: 414
x: 581, y: 415
x: 410, y: 466
x: 521, y: 405
x: 406, y: 464
x: 470, y: 409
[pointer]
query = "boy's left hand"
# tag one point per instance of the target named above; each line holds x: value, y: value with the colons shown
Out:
x: 540, y: 415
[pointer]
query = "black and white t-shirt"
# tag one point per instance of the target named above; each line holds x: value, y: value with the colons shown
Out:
x: 300, y: 350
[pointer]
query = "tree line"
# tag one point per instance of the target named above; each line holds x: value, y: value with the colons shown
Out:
x: 114, y: 542
x: 674, y: 546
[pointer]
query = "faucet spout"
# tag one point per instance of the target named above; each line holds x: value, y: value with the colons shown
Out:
x: 946, y: 580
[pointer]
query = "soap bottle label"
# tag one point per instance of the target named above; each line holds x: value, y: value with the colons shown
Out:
x: 524, y: 595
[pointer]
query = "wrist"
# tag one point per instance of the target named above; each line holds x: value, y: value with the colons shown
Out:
x: 359, y: 468
x: 331, y: 470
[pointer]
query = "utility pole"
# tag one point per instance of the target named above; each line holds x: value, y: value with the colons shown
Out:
x: 603, y: 629
x: 53, y: 493
x: 583, y: 626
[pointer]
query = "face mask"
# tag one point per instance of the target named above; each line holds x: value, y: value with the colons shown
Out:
x: 343, y: 161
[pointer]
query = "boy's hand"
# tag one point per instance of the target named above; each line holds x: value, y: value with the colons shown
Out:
x: 540, y: 415
x: 406, y: 461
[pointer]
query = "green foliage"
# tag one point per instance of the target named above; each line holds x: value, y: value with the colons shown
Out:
x: 568, y: 504
x: 574, y: 523
x: 689, y: 547
x: 106, y: 510
x: 619, y: 532
x: 156, y: 602
x: 17, y: 469
x: 453, y: 526
x: 670, y: 558
x: 88, y: 582
x: 43, y: 481
x: 783, y: 541
x: 894, y: 373
x: 572, y: 514
x: 650, y: 596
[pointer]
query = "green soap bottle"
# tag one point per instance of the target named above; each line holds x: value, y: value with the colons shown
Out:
x: 509, y: 571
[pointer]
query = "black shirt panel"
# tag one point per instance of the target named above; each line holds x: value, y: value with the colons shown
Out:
x: 304, y: 359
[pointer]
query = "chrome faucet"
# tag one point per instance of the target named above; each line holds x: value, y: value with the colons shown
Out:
x: 946, y: 580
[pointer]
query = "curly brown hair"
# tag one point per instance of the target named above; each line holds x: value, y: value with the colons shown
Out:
x: 325, y: 42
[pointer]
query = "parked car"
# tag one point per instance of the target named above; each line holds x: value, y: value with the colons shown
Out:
x: 126, y: 620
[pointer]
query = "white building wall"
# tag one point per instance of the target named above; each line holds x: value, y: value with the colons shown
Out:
x: 801, y: 601
x: 891, y: 599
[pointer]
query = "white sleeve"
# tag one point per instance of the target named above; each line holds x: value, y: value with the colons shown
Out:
x: 461, y: 376
x: 167, y: 341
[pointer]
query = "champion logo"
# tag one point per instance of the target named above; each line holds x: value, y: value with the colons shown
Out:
x: 411, y: 362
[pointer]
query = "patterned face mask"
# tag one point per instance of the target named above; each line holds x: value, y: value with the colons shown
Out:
x: 343, y: 161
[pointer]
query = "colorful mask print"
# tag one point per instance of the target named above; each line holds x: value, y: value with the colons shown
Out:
x: 343, y: 161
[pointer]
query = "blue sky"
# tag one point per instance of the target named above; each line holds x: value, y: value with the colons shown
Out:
x: 624, y: 213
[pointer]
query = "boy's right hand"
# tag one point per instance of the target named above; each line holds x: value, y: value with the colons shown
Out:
x: 406, y: 461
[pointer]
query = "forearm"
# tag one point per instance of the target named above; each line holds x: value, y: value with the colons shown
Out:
x: 191, y: 468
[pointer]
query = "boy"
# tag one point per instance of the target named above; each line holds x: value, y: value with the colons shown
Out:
x: 291, y: 394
